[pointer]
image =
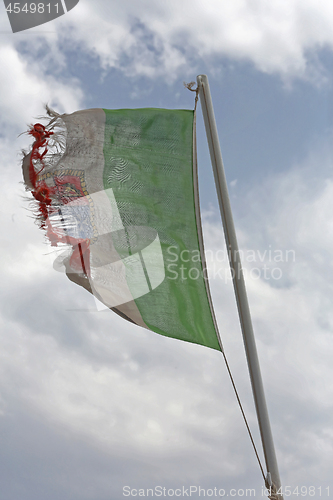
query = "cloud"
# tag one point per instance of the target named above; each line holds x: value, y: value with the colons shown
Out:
x: 165, y: 39
x: 26, y: 84
x: 130, y: 393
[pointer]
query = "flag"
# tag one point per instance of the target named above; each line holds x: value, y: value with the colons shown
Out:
x: 117, y: 191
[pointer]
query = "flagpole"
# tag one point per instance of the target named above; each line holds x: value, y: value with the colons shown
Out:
x: 238, y: 282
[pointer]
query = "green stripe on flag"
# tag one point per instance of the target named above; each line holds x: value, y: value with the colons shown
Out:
x: 149, y: 167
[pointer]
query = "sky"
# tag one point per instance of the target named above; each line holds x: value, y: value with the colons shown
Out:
x: 94, y: 408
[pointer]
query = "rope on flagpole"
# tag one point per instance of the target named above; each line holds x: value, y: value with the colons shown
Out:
x: 244, y: 416
x: 189, y: 86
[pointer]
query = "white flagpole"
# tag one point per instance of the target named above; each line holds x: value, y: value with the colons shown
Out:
x: 239, y: 284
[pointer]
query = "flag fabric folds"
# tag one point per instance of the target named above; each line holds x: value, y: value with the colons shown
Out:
x: 117, y: 193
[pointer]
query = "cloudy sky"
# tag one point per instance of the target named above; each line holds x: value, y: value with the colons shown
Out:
x: 90, y: 404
